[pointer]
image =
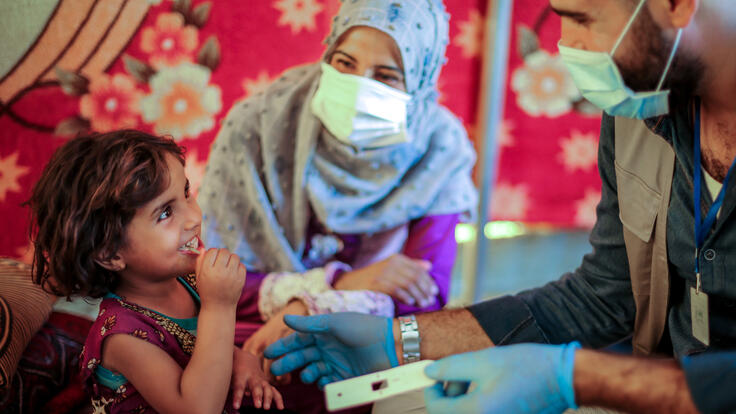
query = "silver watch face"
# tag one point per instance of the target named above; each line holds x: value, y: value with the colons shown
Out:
x: 409, y: 338
x: 409, y: 358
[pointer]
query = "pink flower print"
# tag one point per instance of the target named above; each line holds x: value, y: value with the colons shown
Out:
x: 579, y: 151
x: 112, y: 103
x: 543, y: 85
x: 169, y: 42
x: 182, y: 103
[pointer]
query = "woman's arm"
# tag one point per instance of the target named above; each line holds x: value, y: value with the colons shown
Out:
x: 422, y: 271
x: 432, y: 239
x: 418, y: 279
x: 278, y: 289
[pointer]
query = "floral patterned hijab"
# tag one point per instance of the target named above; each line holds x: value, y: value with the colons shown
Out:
x: 273, y: 165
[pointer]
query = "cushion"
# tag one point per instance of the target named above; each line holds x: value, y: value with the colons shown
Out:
x: 47, y: 378
x: 24, y: 307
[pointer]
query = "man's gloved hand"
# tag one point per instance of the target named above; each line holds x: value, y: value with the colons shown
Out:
x: 334, y: 347
x: 525, y: 378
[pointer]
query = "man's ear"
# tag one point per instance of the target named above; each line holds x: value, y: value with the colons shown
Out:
x: 674, y: 14
x: 113, y: 262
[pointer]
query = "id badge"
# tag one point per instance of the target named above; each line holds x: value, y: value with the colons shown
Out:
x: 699, y: 316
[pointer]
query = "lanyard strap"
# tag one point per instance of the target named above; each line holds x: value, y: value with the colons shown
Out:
x: 702, y: 228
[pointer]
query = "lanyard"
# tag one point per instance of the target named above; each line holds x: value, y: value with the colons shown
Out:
x: 702, y: 227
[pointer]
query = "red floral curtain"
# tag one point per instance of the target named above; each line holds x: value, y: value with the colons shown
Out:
x: 175, y: 67
x: 168, y: 67
x: 547, y: 167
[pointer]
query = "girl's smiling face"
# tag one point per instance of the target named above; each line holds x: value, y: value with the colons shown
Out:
x: 158, y: 236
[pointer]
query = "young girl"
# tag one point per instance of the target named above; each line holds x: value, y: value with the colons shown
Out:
x: 113, y: 218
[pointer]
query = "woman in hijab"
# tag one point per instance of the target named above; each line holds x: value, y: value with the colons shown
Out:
x: 340, y: 186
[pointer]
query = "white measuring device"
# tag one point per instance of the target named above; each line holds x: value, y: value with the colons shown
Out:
x: 377, y: 386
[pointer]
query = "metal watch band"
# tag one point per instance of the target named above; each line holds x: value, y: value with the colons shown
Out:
x: 409, y: 338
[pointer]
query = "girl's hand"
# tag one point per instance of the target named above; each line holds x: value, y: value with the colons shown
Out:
x: 220, y: 277
x: 249, y: 379
x: 274, y: 329
x: 271, y: 332
x: 399, y: 276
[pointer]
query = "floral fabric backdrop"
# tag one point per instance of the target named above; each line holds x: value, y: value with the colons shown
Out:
x: 547, y: 167
x: 175, y: 67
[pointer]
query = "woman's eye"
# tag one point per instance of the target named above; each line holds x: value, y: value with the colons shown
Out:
x: 165, y: 214
x: 387, y: 78
x: 582, y: 21
x: 345, y: 63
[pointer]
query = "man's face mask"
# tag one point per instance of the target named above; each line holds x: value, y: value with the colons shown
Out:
x: 360, y: 111
x: 599, y: 80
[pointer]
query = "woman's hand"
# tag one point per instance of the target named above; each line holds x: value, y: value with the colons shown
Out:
x: 220, y: 277
x: 399, y: 276
x: 248, y: 379
x: 271, y: 332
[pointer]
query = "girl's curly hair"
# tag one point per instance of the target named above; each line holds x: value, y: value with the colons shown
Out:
x: 87, y: 195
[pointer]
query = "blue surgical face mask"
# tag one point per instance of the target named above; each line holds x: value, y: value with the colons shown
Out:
x: 599, y: 80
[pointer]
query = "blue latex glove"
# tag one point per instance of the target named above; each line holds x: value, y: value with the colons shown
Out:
x: 334, y: 347
x: 526, y: 378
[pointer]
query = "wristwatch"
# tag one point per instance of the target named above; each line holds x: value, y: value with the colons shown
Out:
x: 409, y: 338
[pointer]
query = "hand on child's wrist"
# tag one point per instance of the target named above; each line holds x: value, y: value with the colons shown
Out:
x: 337, y: 277
x: 296, y: 307
x: 343, y: 282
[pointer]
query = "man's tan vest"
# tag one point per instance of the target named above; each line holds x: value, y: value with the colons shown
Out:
x: 645, y: 165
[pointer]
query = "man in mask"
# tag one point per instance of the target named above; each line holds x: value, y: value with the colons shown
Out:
x: 662, y: 268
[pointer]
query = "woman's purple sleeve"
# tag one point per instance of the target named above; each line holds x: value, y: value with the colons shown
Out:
x: 432, y: 238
